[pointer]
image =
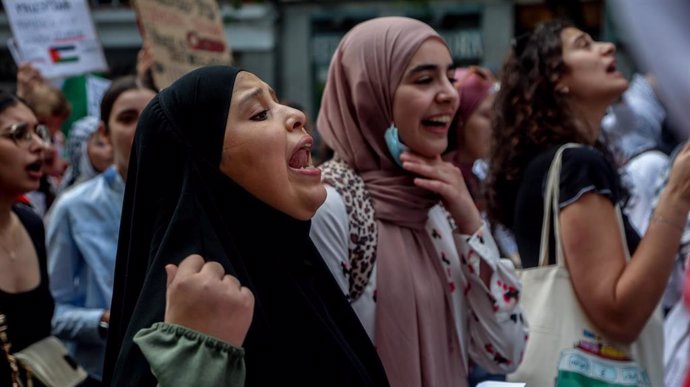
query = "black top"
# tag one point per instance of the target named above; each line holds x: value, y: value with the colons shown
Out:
x: 583, y: 170
x: 177, y: 202
x: 29, y: 313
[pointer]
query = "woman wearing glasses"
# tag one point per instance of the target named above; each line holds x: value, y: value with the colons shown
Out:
x: 26, y: 306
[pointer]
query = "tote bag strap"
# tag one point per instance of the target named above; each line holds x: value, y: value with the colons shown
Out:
x: 552, y: 199
x: 553, y: 179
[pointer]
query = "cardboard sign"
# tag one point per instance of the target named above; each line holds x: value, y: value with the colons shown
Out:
x: 184, y: 35
x: 57, y: 36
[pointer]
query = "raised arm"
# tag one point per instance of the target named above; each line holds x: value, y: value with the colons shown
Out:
x: 207, y: 316
x: 619, y: 296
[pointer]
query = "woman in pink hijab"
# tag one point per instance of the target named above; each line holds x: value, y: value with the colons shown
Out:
x: 470, y: 135
x: 401, y: 234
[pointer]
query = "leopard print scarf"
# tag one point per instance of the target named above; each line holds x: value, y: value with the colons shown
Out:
x: 362, y: 224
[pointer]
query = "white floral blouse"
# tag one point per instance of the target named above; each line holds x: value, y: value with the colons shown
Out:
x: 489, y: 322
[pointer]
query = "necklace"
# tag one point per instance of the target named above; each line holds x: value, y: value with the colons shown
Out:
x: 10, y: 253
x: 13, y: 256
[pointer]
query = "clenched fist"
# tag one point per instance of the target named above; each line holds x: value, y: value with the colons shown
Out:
x: 200, y: 296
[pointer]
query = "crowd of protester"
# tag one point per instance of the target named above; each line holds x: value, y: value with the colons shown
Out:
x: 185, y: 237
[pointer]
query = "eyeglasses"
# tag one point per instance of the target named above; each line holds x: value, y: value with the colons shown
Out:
x: 22, y: 133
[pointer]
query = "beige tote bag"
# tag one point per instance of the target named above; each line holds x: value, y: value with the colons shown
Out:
x: 556, y: 321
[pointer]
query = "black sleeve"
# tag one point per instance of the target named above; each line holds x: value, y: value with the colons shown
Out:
x: 585, y: 169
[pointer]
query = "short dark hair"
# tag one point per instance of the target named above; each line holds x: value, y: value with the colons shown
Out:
x: 119, y: 86
x: 8, y: 100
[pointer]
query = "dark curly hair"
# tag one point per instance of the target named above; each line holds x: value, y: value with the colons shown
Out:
x: 530, y: 116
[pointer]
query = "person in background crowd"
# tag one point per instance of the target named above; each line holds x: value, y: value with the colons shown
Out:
x: 145, y: 62
x: 632, y: 129
x: 51, y: 108
x: 470, y: 135
x: 470, y: 141
x: 431, y: 292
x: 25, y: 299
x: 556, y: 87
x: 89, y: 152
x: 82, y: 231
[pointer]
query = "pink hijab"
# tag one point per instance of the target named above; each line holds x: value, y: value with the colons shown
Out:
x: 415, y: 332
x: 473, y: 87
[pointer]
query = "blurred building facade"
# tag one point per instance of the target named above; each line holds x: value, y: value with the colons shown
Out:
x: 289, y: 43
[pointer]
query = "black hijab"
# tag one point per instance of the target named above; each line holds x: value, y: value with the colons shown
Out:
x: 178, y: 202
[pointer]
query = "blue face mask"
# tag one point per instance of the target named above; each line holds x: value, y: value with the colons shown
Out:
x: 395, y: 146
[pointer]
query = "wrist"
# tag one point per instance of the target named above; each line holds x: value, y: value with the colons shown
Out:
x: 672, y: 206
x: 466, y: 216
x: 674, y: 224
x: 674, y: 200
x: 468, y: 225
x: 103, y: 327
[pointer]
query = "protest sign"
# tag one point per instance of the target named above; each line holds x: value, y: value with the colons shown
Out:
x: 57, y: 36
x: 95, y: 89
x: 184, y: 35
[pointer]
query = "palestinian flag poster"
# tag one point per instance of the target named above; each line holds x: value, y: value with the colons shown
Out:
x: 57, y: 36
x: 64, y: 54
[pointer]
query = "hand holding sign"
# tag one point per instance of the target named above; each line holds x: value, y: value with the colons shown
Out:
x: 57, y: 37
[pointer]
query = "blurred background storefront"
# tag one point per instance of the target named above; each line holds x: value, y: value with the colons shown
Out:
x: 289, y: 43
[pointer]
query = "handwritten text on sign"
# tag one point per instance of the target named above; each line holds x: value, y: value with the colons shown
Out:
x: 184, y: 35
x: 57, y: 36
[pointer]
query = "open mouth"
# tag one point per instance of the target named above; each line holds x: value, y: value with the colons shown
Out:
x: 611, y: 68
x: 301, y: 159
x: 35, y: 167
x: 438, y: 121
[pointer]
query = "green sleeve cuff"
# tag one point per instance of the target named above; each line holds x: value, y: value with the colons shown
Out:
x: 179, y: 356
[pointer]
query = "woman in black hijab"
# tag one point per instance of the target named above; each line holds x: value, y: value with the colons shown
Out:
x: 219, y: 168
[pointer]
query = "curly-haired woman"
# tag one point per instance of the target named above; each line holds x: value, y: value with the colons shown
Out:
x: 555, y: 89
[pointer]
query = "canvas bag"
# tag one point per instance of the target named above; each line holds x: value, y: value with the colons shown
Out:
x: 677, y: 350
x: 555, y: 318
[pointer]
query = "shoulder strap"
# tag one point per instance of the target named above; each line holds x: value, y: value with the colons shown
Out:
x: 362, y: 228
x: 552, y: 204
x: 7, y: 349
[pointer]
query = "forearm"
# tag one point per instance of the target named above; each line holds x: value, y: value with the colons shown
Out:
x: 499, y: 331
x: 79, y: 324
x: 642, y: 282
x: 617, y: 296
